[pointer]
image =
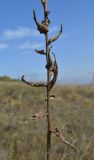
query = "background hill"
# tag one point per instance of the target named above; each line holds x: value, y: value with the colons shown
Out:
x: 72, y: 113
x: 6, y: 78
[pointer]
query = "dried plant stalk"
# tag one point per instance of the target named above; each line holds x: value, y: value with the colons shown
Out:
x: 52, y: 74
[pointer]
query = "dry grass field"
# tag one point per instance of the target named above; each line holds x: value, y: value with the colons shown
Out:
x: 72, y: 112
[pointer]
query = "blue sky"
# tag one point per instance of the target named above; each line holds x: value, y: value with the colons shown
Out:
x: 19, y: 37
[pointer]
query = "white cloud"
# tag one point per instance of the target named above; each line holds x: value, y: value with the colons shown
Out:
x: 20, y: 32
x: 28, y: 45
x: 3, y: 45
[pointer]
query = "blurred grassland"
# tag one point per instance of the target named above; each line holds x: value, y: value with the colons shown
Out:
x: 72, y: 112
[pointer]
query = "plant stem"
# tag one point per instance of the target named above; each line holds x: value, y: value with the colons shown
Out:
x: 48, y: 92
x: 48, y: 117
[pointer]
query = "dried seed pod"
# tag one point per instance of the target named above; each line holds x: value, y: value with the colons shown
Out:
x: 40, y: 52
x: 49, y: 64
x: 54, y: 70
x: 37, y: 84
x: 41, y: 26
x: 52, y: 97
x: 47, y: 18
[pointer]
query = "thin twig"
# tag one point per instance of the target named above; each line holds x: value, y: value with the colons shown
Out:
x: 62, y: 138
x: 36, y: 116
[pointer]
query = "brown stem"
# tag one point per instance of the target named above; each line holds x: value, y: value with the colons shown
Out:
x: 48, y: 91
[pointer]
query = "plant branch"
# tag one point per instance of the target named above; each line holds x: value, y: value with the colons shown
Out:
x: 62, y: 138
x: 55, y: 37
x: 37, y: 84
x: 36, y: 116
x: 40, y: 52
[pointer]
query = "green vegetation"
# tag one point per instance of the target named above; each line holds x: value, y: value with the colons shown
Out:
x: 72, y: 112
x: 6, y: 78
